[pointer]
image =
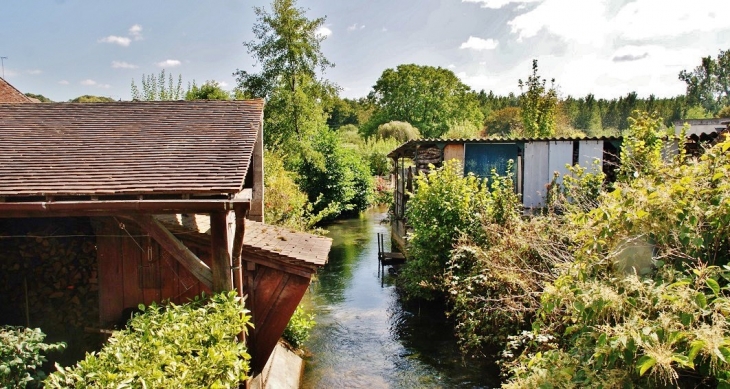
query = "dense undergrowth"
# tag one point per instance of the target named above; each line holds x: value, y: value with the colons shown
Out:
x: 618, y: 286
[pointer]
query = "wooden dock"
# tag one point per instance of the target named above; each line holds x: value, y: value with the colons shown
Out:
x: 387, y: 258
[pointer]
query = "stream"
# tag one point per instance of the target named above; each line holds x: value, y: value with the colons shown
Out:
x: 365, y: 337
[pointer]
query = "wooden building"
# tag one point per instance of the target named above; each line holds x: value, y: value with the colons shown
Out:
x: 534, y: 163
x: 172, y: 196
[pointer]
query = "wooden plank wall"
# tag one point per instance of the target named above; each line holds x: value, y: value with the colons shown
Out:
x: 454, y: 151
x: 536, y: 174
x: 276, y: 295
x: 135, y: 270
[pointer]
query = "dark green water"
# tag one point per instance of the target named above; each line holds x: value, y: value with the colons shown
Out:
x: 365, y: 338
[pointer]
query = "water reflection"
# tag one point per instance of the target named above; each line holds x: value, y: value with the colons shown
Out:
x: 365, y: 338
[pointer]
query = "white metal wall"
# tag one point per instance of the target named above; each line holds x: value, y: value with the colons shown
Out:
x: 536, y: 173
x: 561, y: 154
x: 589, y: 151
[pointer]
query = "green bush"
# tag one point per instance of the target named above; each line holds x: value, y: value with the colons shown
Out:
x: 284, y: 203
x: 193, y: 345
x: 21, y: 356
x: 445, y: 205
x: 335, y: 179
x: 299, y: 326
x: 400, y: 131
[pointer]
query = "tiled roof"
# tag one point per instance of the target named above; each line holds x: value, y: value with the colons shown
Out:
x: 410, y: 146
x: 281, y: 244
x: 8, y: 94
x: 127, y: 148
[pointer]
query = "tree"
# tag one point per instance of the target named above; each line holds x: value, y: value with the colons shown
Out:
x: 431, y: 99
x: 92, y: 99
x: 400, y: 131
x: 708, y: 85
x: 211, y: 90
x: 155, y: 89
x: 539, y: 105
x: 41, y: 98
x: 287, y: 48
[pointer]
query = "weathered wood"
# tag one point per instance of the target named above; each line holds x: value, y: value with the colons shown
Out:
x: 237, y: 250
x: 108, y: 243
x: 10, y: 209
x: 280, y: 293
x: 220, y: 258
x: 257, y: 165
x: 169, y: 242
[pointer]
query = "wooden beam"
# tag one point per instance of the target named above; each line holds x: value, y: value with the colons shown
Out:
x: 220, y: 260
x: 10, y: 209
x: 240, y: 214
x: 177, y: 249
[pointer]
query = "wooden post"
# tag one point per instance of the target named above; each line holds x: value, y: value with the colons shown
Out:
x: 221, y: 260
x: 257, y: 166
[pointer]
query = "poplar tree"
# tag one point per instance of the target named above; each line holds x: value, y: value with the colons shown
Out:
x: 538, y: 105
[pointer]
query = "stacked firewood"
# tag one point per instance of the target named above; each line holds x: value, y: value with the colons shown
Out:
x: 48, y: 276
x: 426, y: 156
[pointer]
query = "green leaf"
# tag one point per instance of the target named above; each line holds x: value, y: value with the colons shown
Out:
x: 645, y: 363
x: 695, y: 348
x: 701, y: 300
x: 712, y: 284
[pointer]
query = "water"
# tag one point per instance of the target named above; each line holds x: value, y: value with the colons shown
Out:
x: 365, y: 338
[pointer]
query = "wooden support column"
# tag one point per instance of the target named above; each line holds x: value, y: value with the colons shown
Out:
x: 257, y: 166
x: 221, y: 259
x: 177, y: 249
x: 240, y: 213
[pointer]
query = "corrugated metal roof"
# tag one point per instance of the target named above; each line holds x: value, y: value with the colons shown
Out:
x: 409, y: 147
x: 128, y: 148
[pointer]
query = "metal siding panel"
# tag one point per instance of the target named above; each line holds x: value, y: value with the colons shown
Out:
x: 561, y: 154
x: 589, y: 151
x: 536, y: 173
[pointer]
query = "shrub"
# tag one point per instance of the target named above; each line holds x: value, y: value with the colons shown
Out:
x: 335, y: 180
x: 284, y: 203
x: 462, y: 130
x: 176, y: 346
x: 400, y: 131
x: 375, y: 152
x: 445, y: 206
x: 21, y: 356
x: 645, y: 304
x: 299, y: 326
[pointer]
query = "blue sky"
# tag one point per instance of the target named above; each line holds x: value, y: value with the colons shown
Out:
x: 67, y: 48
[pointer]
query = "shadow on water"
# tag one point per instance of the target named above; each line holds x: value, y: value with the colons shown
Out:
x: 365, y: 337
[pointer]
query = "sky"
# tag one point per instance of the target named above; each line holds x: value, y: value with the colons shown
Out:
x: 63, y: 49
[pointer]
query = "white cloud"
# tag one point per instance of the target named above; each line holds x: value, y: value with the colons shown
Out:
x: 169, y: 63
x: 355, y: 26
x: 648, y: 19
x: 34, y: 71
x: 451, y: 66
x: 136, y: 32
x: 323, y: 31
x: 90, y: 82
x: 63, y: 82
x: 222, y: 84
x: 119, y: 40
x: 123, y: 65
x: 496, y: 4
x: 384, y: 29
x: 559, y: 17
x: 479, y: 44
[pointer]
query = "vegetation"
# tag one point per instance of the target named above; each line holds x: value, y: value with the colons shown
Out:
x: 297, y: 330
x: 431, y: 99
x: 21, y: 356
x: 174, y: 346
x: 158, y: 88
x: 92, y: 99
x: 211, y: 90
x: 41, y: 98
x: 538, y: 105
x: 400, y: 131
x: 708, y: 85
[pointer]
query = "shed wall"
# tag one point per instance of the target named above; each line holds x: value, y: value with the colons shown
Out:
x: 536, y: 173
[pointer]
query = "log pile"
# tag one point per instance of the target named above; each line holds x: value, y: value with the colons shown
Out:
x: 426, y: 156
x: 48, y: 276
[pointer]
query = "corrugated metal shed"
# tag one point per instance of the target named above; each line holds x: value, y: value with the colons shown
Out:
x: 127, y: 148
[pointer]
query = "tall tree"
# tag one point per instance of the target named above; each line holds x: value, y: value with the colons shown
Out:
x: 287, y: 49
x: 539, y: 105
x: 211, y: 90
x: 708, y: 85
x: 431, y: 99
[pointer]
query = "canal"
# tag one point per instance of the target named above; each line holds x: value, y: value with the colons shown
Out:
x: 365, y: 337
